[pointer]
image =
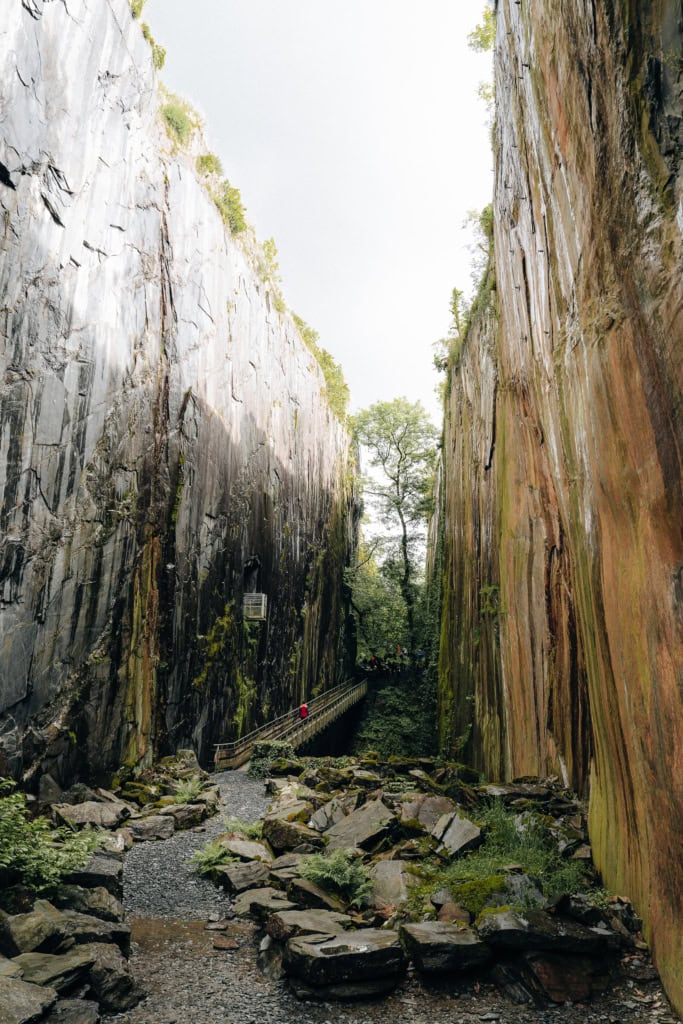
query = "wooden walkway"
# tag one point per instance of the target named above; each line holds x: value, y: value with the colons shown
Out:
x: 322, y: 711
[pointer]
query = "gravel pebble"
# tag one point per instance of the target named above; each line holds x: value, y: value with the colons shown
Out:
x: 188, y: 980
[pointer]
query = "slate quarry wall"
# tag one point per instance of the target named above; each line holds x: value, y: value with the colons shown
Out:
x: 165, y: 442
x: 563, y: 603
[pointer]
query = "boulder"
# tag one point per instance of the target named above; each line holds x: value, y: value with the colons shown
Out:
x: 61, y: 972
x: 536, y: 930
x: 437, y: 947
x: 103, y: 869
x: 365, y: 962
x: 110, y: 979
x: 285, y: 924
x: 43, y: 928
x: 289, y: 809
x: 260, y: 903
x: 308, y: 894
x: 391, y: 883
x: 425, y: 809
x: 185, y: 815
x: 73, y: 1011
x: 240, y: 877
x: 8, y: 968
x: 83, y: 928
x: 456, y: 834
x: 22, y: 1002
x: 153, y: 827
x: 285, y: 868
x: 333, y: 811
x: 97, y: 902
x: 95, y: 813
x: 245, y: 849
x: 364, y: 827
x: 288, y: 835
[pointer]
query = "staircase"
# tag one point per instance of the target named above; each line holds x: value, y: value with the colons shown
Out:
x: 322, y: 711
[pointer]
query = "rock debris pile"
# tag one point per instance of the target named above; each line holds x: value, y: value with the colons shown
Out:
x: 452, y: 876
x: 65, y: 957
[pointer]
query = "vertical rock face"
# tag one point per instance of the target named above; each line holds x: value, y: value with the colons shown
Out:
x: 165, y: 444
x: 578, y: 519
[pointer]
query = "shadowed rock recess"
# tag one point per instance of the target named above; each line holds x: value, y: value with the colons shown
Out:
x: 563, y: 559
x: 165, y: 442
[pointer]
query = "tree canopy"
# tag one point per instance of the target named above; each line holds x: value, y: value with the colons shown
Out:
x: 401, y: 443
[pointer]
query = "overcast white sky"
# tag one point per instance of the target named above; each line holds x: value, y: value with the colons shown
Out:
x: 356, y: 137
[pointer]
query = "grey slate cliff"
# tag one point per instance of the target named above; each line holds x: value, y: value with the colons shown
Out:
x: 165, y: 442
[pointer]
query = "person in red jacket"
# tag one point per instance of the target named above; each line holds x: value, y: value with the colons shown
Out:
x: 303, y: 712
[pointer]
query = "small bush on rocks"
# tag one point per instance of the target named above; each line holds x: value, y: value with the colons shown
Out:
x: 187, y: 790
x: 340, y: 874
x: 265, y: 753
x: 209, y: 857
x: 32, y: 851
x: 249, y: 830
x: 209, y: 163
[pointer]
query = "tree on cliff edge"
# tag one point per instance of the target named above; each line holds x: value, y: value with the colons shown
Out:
x: 401, y: 442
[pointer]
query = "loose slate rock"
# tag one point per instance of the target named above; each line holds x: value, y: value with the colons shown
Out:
x: 314, y: 897
x: 42, y: 928
x: 59, y: 972
x: 371, y: 956
x: 426, y: 809
x: 185, y: 815
x: 363, y: 827
x: 286, y: 924
x: 391, y: 884
x: 103, y: 869
x: 535, y: 929
x: 261, y: 903
x: 241, y: 877
x: 110, y: 978
x: 97, y: 902
x: 22, y: 1002
x: 288, y: 835
x: 437, y: 947
x: 154, y: 827
x: 102, y: 815
x: 246, y: 849
x: 74, y: 1011
x: 458, y: 835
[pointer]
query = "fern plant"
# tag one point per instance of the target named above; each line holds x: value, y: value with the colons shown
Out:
x: 339, y: 874
x: 250, y: 830
x: 209, y: 857
x: 187, y: 790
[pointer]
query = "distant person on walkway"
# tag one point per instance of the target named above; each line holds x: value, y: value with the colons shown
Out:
x: 303, y: 712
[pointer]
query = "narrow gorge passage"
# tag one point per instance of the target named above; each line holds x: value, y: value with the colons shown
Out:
x: 187, y: 979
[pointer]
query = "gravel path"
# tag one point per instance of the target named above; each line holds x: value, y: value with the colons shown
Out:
x: 190, y: 982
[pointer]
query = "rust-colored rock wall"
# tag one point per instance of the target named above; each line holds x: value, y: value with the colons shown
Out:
x: 586, y: 510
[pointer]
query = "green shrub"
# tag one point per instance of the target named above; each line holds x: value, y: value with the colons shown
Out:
x: 136, y: 7
x: 209, y: 857
x: 250, y: 830
x: 187, y: 790
x: 265, y: 753
x: 158, y: 52
x: 339, y: 874
x: 208, y: 163
x: 180, y: 120
x: 32, y: 851
x: 229, y: 204
x: 475, y: 878
x: 336, y: 389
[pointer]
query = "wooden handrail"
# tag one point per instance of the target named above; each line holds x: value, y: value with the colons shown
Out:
x: 322, y: 711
